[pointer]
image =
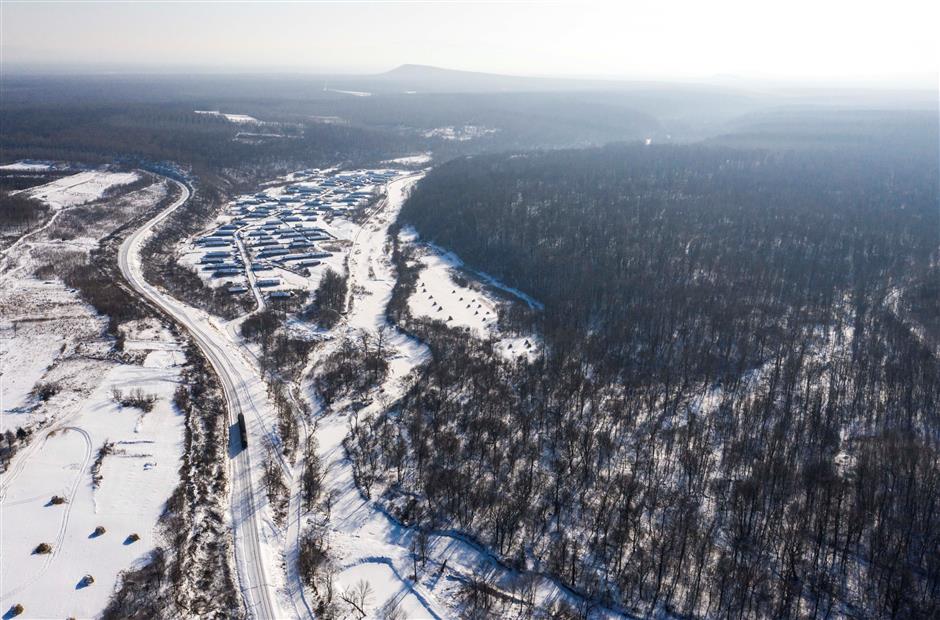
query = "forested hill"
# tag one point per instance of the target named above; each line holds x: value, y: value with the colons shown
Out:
x: 719, y: 247
x: 737, y: 414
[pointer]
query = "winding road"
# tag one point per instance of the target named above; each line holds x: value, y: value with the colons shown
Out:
x: 258, y: 593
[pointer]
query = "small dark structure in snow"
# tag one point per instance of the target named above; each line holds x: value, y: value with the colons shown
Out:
x: 56, y: 500
x: 98, y: 531
x: 132, y: 538
x: 14, y: 611
x: 86, y: 581
x: 43, y: 548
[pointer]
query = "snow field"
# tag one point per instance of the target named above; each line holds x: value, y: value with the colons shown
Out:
x: 79, y: 188
x: 28, y: 166
x: 136, y: 480
x: 49, y: 335
x: 41, y: 322
x: 438, y: 296
x: 240, y: 119
x: 388, y: 588
x: 411, y: 160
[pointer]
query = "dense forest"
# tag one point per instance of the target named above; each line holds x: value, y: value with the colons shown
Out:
x: 101, y: 133
x: 736, y: 411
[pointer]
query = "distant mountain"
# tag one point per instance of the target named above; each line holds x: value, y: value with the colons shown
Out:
x: 425, y: 78
x: 429, y: 79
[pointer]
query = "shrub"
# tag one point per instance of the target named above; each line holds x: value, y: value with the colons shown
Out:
x: 44, y: 390
x: 136, y: 398
x: 43, y: 548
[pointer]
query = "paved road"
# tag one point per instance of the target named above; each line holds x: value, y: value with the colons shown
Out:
x: 258, y: 594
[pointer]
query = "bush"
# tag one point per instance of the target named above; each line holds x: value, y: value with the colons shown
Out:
x: 136, y: 398
x: 314, y: 553
x: 45, y: 390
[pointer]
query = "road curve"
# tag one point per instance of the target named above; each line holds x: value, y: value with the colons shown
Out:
x: 258, y: 595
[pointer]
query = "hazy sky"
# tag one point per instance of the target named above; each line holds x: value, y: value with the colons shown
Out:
x: 860, y: 40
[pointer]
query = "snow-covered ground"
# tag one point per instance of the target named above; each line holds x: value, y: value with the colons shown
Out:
x: 461, y: 298
x: 367, y: 544
x: 242, y: 119
x: 41, y: 323
x: 354, y: 93
x: 29, y: 166
x: 50, y: 337
x: 136, y: 478
x: 411, y: 160
x: 439, y: 296
x: 461, y: 133
x: 79, y: 188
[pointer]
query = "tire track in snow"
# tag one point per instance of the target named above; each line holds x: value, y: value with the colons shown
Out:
x: 66, y: 517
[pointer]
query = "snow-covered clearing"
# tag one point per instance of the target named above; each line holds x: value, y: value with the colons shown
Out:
x: 439, y: 296
x: 79, y: 188
x: 136, y: 478
x: 61, y: 238
x: 462, y: 298
x: 41, y: 323
x: 29, y: 166
x: 52, y: 339
x: 460, y: 133
x: 354, y: 93
x: 388, y: 588
x: 411, y: 160
x: 242, y: 119
x: 329, y: 120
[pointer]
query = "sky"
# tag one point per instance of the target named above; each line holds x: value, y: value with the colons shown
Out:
x: 858, y: 41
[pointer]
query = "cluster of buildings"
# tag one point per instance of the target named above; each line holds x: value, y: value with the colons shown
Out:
x: 279, y: 229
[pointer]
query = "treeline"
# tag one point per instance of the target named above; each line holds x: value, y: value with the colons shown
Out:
x: 730, y: 418
x: 99, y: 133
x: 17, y: 214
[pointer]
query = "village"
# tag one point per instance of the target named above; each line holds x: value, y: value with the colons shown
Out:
x: 270, y: 243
